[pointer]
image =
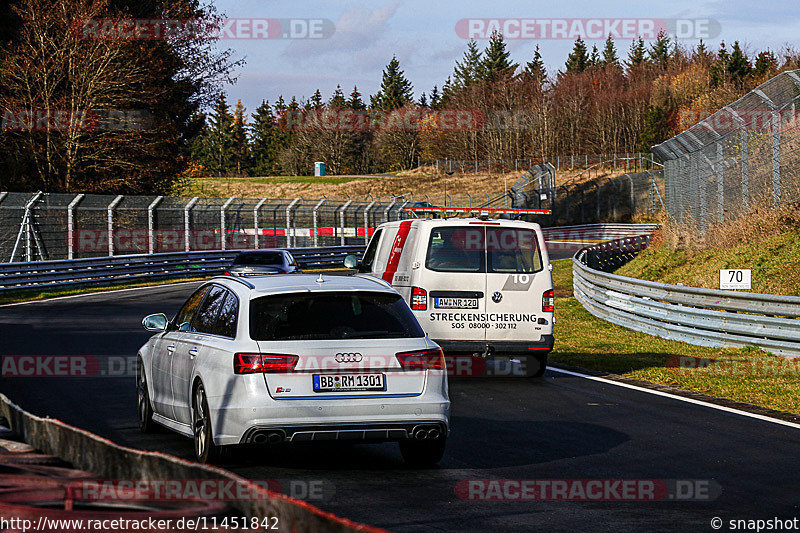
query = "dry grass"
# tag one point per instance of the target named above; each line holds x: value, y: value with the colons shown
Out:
x: 421, y: 182
x: 765, y: 240
x: 746, y: 375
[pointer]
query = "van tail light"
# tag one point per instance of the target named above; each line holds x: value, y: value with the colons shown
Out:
x: 263, y: 363
x: 419, y: 299
x: 548, y: 301
x: 422, y: 360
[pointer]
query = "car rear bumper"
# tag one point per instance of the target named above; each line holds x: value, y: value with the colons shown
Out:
x: 366, y: 432
x: 341, y: 419
x: 490, y: 348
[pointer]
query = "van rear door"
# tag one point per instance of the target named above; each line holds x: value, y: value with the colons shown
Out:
x: 454, y: 281
x: 516, y: 279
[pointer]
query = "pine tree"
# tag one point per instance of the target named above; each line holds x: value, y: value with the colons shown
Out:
x: 766, y: 63
x: 423, y: 100
x: 535, y: 70
x: 719, y: 69
x: 578, y: 59
x: 264, y: 141
x: 218, y: 147
x: 435, y: 97
x: 609, y: 58
x: 337, y: 100
x: 636, y: 54
x: 240, y: 149
x: 594, y: 57
x: 739, y: 66
x: 496, y: 59
x: 659, y: 52
x: 701, y: 54
x: 656, y: 128
x: 396, y: 90
x: 355, y: 102
x: 316, y: 101
x: 469, y: 69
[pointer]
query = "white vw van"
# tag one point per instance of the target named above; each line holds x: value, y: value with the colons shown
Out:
x: 477, y: 286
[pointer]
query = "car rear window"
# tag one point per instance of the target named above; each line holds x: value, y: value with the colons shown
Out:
x: 331, y: 316
x: 261, y: 258
x: 478, y: 249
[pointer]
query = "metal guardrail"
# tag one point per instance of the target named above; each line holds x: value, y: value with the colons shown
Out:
x: 703, y: 317
x: 108, y: 270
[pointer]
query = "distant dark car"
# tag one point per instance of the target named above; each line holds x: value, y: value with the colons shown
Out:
x: 262, y: 263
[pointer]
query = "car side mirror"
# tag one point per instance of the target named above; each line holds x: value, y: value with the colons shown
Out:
x: 351, y: 261
x: 156, y: 322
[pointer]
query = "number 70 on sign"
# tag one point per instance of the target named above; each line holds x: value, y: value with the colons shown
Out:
x: 735, y: 278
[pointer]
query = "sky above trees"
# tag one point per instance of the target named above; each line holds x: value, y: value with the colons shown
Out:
x: 422, y: 35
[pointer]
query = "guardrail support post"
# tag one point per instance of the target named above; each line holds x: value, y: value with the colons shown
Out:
x: 255, y: 222
x: 25, y: 228
x: 222, y: 239
x: 111, y: 207
x: 71, y: 225
x: 151, y: 241
x: 316, y: 220
x: 186, y: 223
x: 341, y: 218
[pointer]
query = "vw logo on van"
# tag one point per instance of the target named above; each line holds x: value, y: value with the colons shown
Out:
x: 349, y: 357
x: 497, y: 297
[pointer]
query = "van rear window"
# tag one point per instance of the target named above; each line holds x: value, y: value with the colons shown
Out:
x: 483, y: 249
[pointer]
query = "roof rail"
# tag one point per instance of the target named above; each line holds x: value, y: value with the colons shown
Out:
x: 236, y: 278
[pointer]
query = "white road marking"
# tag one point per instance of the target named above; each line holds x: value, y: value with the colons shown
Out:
x: 679, y: 398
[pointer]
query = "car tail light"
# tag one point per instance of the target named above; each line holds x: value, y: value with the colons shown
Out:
x: 263, y: 363
x: 422, y: 360
x: 548, y: 301
x: 226, y: 273
x: 419, y: 299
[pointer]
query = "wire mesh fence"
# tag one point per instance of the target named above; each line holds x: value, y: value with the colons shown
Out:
x: 42, y: 226
x: 745, y: 155
x: 621, y: 161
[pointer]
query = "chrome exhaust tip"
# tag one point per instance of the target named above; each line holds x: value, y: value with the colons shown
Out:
x: 433, y: 433
x: 421, y: 434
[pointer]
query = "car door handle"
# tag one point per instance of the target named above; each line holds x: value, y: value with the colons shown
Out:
x: 171, y: 349
x: 193, y: 352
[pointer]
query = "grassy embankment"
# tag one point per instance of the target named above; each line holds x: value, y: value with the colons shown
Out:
x: 767, y: 243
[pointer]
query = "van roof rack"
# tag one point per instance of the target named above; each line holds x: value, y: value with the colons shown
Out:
x: 477, y: 211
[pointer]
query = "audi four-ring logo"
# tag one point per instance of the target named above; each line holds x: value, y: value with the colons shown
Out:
x: 349, y: 357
